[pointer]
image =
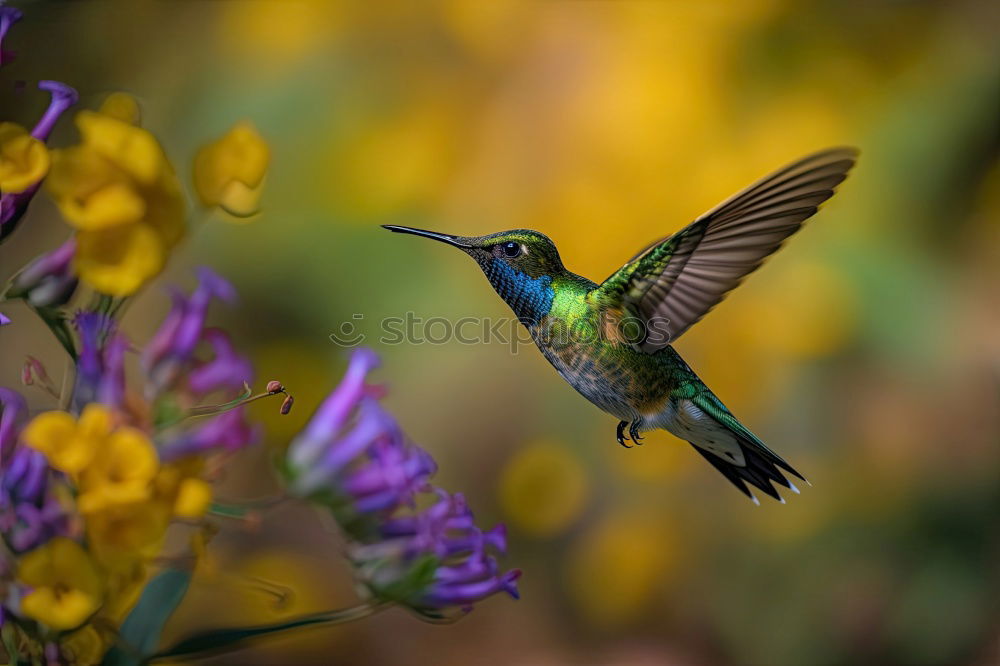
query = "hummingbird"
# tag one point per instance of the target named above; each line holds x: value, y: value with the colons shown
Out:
x: 612, y: 341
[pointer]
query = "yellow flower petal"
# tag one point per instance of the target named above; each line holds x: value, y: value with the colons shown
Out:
x: 91, y: 192
x: 66, y: 585
x: 112, y: 205
x: 121, y: 106
x: 58, y: 609
x: 241, y: 156
x: 119, y: 261
x: 55, y: 435
x: 24, y: 160
x: 123, y: 536
x: 165, y: 212
x: 131, y: 148
x: 193, y: 498
x: 122, y: 474
x: 241, y: 201
x: 95, y: 421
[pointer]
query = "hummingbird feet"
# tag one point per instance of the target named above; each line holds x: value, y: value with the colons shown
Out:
x: 633, y: 430
x: 621, y: 435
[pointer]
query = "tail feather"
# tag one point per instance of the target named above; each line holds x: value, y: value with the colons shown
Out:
x: 761, y: 467
x: 759, y: 471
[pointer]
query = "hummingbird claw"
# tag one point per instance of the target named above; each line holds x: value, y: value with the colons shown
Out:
x: 633, y: 430
x: 621, y: 434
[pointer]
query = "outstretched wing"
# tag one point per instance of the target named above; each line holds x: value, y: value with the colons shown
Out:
x: 677, y: 280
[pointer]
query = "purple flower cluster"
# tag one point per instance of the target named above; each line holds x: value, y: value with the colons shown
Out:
x: 179, y: 376
x: 354, y: 458
x: 100, y: 366
x: 29, y: 514
x: 172, y: 348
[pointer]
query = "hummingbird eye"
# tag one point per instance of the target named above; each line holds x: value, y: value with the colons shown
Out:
x: 511, y: 249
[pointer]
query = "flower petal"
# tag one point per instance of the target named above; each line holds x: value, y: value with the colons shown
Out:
x: 55, y: 435
x: 24, y: 160
x: 119, y: 261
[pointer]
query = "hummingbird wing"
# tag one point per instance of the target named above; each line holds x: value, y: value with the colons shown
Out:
x: 675, y: 281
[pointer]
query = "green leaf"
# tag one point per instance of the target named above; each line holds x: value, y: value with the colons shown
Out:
x: 140, y: 633
x: 219, y: 639
x: 9, y: 641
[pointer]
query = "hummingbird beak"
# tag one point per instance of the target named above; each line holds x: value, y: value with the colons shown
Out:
x: 457, y: 241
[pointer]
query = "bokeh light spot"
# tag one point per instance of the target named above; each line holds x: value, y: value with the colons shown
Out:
x: 543, y: 488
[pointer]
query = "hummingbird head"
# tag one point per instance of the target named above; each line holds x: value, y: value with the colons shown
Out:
x: 520, y: 264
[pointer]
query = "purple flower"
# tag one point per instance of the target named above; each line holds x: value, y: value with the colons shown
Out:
x: 48, y: 281
x: 395, y: 473
x: 353, y: 457
x: 326, y: 424
x: 229, y: 431
x: 28, y: 515
x: 4, y: 319
x: 13, y: 410
x: 173, y: 345
x: 8, y: 17
x: 100, y: 367
x: 13, y: 206
x: 63, y: 97
x: 226, y: 370
x: 439, y: 555
x: 465, y: 584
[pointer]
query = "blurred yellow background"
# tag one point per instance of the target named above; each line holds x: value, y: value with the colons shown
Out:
x: 867, y: 352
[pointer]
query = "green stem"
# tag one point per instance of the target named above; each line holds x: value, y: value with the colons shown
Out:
x: 219, y: 639
x: 59, y: 327
x: 240, y: 509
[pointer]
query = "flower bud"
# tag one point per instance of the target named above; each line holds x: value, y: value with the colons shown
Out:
x: 229, y: 172
x: 48, y: 281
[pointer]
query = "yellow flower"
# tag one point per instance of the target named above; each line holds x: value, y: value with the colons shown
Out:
x: 92, y: 193
x: 121, y: 106
x: 193, y: 498
x: 121, y: 474
x: 119, y: 261
x: 66, y: 587
x: 69, y: 444
x: 119, y: 190
x: 178, y: 487
x: 113, y: 465
x: 124, y: 536
x: 229, y: 172
x: 24, y: 160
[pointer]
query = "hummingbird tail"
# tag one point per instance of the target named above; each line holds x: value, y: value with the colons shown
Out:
x: 752, y: 463
x: 759, y: 471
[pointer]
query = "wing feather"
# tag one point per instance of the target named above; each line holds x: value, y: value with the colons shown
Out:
x: 680, y: 278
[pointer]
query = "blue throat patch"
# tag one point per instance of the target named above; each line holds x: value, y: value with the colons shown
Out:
x: 530, y: 298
